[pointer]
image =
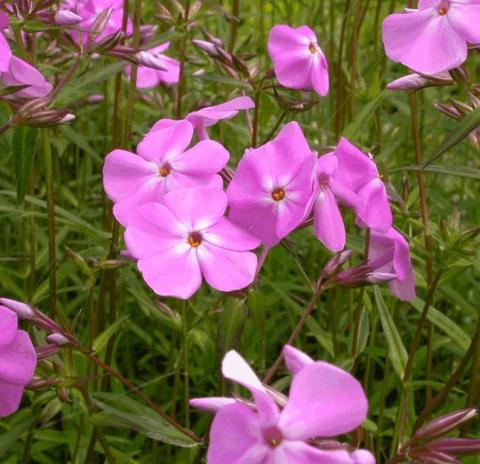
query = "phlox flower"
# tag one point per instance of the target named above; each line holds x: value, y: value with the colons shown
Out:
x: 359, y: 173
x: 162, y: 163
x: 5, y: 52
x: 187, y: 237
x: 434, y: 37
x: 298, y: 60
x: 20, y: 72
x: 270, y: 193
x: 324, y: 401
x: 210, y: 115
x: 148, y: 78
x: 17, y: 362
x: 389, y: 253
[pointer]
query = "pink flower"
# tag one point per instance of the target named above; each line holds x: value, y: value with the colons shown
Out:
x: 210, y: 115
x: 270, y: 193
x: 163, y: 163
x: 298, y: 61
x: 5, y: 54
x: 389, y: 253
x: 187, y: 237
x: 148, y: 78
x: 17, y: 362
x: 358, y: 172
x: 433, y: 38
x: 327, y: 219
x: 22, y: 73
x: 324, y: 401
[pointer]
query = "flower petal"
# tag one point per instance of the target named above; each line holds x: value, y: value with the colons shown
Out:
x: 375, y: 211
x: 319, y: 74
x: 211, y: 404
x: 465, y: 19
x: 235, y: 368
x: 295, y: 359
x: 226, y: 234
x: 174, y: 272
x: 206, y: 157
x: 328, y: 222
x: 423, y: 40
x: 8, y: 325
x: 10, y: 397
x: 324, y: 401
x: 226, y: 270
x: 160, y: 145
x: 298, y: 452
x: 5, y: 54
x: 361, y: 456
x: 18, y: 360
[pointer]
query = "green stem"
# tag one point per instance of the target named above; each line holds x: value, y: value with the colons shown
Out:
x: 233, y: 25
x: 182, y: 57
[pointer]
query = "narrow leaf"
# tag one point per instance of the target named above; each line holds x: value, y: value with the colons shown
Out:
x: 24, y: 147
x: 101, y: 341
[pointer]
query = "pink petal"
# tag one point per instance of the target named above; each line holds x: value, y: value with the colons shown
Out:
x: 293, y: 69
x: 177, y: 180
x: 124, y: 173
x: 18, y: 360
x: 8, y: 326
x: 328, y: 222
x: 324, y: 401
x: 163, y: 124
x: 319, y: 74
x: 226, y: 270
x: 160, y: 146
x: 284, y: 38
x: 465, y: 19
x: 5, y: 54
x: 235, y: 437
x: 197, y: 208
x: 290, y: 214
x: 298, y: 452
x: 206, y: 157
x: 211, y: 404
x: 424, y: 4
x: 152, y: 230
x: 295, y: 359
x: 344, y: 193
x: 10, y: 397
x: 363, y: 457
x: 235, y: 368
x: 227, y: 235
x: 424, y: 41
x: 174, y: 272
x: 375, y: 212
x: 327, y: 165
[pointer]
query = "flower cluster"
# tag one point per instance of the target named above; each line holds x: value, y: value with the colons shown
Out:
x: 324, y: 402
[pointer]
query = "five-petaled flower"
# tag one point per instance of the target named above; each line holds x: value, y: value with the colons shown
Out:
x: 187, y: 237
x: 298, y: 60
x: 17, y: 362
x: 163, y: 163
x: 434, y: 37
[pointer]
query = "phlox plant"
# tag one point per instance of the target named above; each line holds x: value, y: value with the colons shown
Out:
x: 239, y: 232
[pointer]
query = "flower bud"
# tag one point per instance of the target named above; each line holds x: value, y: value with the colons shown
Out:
x: 420, y: 81
x: 23, y: 310
x: 149, y: 61
x: 444, y: 424
x: 45, y: 351
x: 456, y: 446
x: 207, y: 47
x: 58, y: 339
x: 66, y: 18
x: 338, y: 260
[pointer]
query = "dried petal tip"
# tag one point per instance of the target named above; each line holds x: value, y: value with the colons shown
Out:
x: 66, y: 18
x: 22, y: 310
x: 443, y: 424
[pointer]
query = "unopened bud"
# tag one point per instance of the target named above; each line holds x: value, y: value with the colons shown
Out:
x: 67, y: 118
x: 338, y: 260
x: 99, y: 24
x: 444, y: 424
x: 149, y: 61
x: 207, y: 47
x: 45, y: 351
x: 94, y: 99
x: 66, y: 18
x: 147, y: 32
x: 58, y: 339
x: 22, y: 310
x: 449, y: 110
x: 456, y: 446
x: 420, y: 81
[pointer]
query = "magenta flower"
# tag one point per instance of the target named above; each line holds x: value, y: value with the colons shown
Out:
x: 358, y: 172
x: 271, y: 190
x: 433, y: 38
x: 163, y: 164
x: 210, y: 115
x: 187, y: 237
x: 20, y: 72
x: 17, y: 362
x: 5, y: 54
x: 327, y: 219
x: 324, y: 401
x: 298, y: 61
x: 389, y: 253
x: 148, y: 78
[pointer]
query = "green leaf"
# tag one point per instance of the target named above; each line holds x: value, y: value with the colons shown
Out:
x: 231, y: 324
x: 84, y: 85
x: 468, y: 124
x: 460, y: 171
x: 445, y: 324
x: 396, y: 350
x: 24, y: 146
x: 101, y: 341
x: 123, y: 412
x: 364, y: 115
x: 81, y: 141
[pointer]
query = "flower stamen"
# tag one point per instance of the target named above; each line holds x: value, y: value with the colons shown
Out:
x: 278, y: 194
x: 312, y: 48
x: 443, y: 11
x: 194, y: 239
x: 164, y: 171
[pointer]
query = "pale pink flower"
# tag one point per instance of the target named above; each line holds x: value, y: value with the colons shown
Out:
x: 187, y: 237
x: 270, y: 193
x: 389, y: 253
x: 324, y: 401
x: 298, y: 60
x: 434, y: 37
x: 162, y: 163
x: 17, y: 362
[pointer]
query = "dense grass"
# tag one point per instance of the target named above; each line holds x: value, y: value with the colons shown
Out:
x: 172, y: 349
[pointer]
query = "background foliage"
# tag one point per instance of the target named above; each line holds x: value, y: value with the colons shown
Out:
x: 172, y: 349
